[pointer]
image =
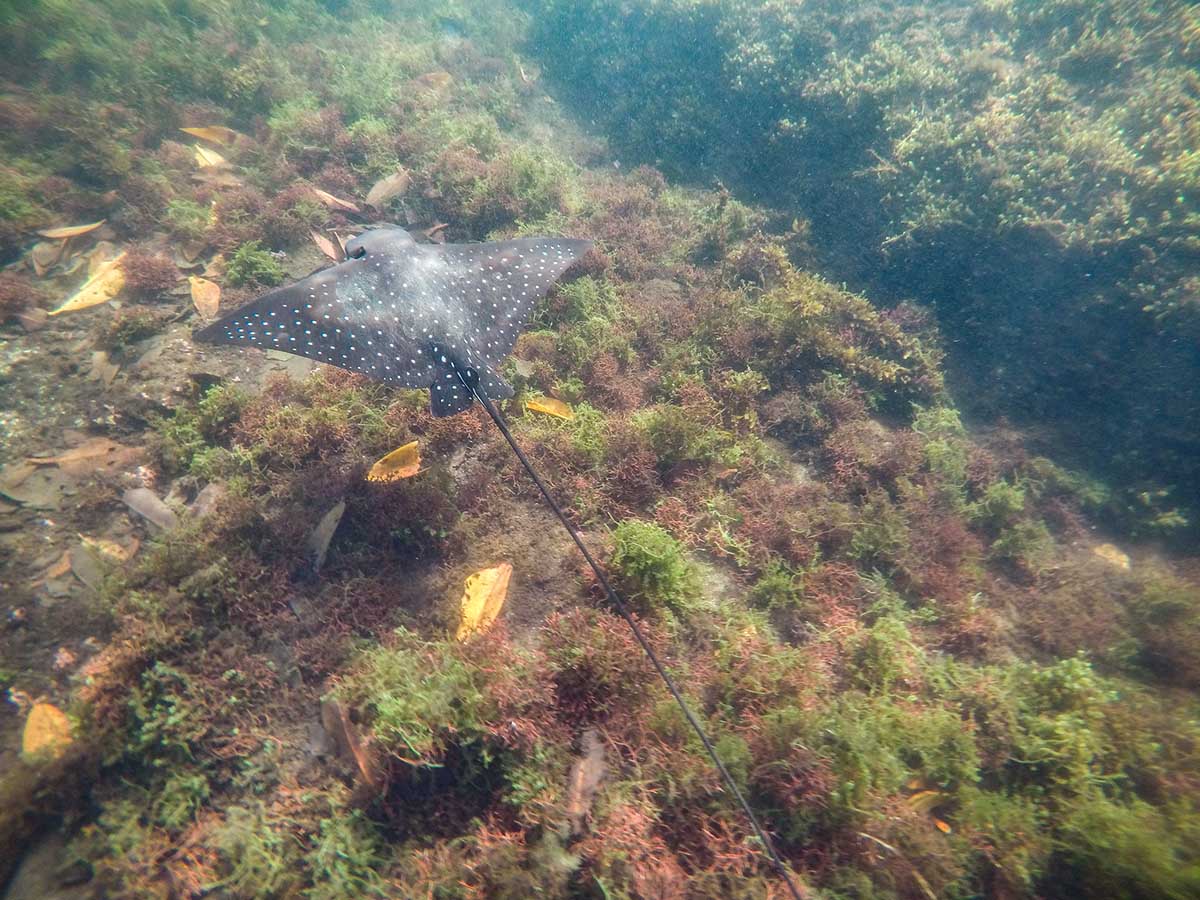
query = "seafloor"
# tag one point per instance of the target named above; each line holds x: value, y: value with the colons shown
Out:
x: 923, y: 556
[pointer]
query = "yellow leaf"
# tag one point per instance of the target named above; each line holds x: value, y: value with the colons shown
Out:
x: 208, y: 159
x: 206, y: 295
x: 926, y: 801
x: 943, y: 827
x: 59, y: 234
x: 218, y: 134
x: 111, y: 549
x: 483, y: 598
x: 1111, y: 554
x: 47, y: 732
x: 100, y: 288
x: 550, y: 407
x: 334, y: 202
x: 403, y: 462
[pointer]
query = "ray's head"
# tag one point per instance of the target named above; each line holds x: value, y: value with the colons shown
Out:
x: 391, y: 239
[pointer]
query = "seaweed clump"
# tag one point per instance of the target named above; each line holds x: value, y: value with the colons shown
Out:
x: 251, y: 264
x: 148, y: 275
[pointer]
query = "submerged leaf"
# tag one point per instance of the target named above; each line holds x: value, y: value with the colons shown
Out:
x: 217, y: 178
x: 111, y: 549
x: 45, y: 256
x: 103, y: 369
x: 328, y: 247
x: 60, y: 568
x: 70, y: 231
x: 586, y: 775
x: 386, y: 188
x: 341, y: 729
x: 97, y: 454
x: 334, y: 202
x: 483, y: 598
x: 206, y: 296
x: 218, y: 134
x: 99, y: 255
x: 147, y: 504
x: 403, y: 462
x: 47, y: 732
x: 100, y: 288
x: 550, y: 407
x: 209, y: 159
x: 926, y: 801
x: 320, y: 537
x: 1112, y: 554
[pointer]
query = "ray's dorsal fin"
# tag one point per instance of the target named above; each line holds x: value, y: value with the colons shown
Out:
x: 409, y: 314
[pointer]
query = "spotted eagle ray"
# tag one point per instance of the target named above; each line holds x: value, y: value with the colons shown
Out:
x: 442, y: 317
x: 409, y: 314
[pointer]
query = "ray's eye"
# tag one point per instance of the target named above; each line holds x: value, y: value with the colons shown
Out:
x: 358, y: 253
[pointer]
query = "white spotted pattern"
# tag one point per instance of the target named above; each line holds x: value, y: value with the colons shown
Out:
x: 409, y: 314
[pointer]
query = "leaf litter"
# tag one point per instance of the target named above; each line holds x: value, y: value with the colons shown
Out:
x: 483, y: 599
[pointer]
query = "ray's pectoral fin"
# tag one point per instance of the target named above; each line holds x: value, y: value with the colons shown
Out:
x: 492, y: 385
x: 451, y: 391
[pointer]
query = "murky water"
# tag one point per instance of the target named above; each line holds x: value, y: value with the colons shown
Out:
x: 857, y: 343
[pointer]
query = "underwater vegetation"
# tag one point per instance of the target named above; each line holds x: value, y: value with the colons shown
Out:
x: 925, y: 650
x: 1028, y: 168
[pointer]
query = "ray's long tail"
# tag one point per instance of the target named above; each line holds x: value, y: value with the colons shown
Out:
x: 470, y: 379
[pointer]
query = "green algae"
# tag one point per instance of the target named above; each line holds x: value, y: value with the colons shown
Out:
x: 921, y: 599
x: 251, y: 264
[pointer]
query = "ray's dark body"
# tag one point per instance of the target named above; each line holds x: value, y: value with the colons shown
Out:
x: 414, y: 315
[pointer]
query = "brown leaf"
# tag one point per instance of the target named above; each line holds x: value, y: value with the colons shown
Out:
x: 334, y: 202
x: 386, y: 188
x: 190, y: 250
x: 206, y: 295
x: 87, y: 567
x: 70, y: 231
x: 147, y: 504
x: 97, y: 454
x: 326, y: 246
x: 215, y: 267
x: 103, y: 368
x: 45, y: 256
x: 60, y: 568
x: 345, y: 737
x: 33, y: 319
x: 217, y: 178
x: 36, y: 487
x: 321, y: 536
x: 99, y: 255
x: 585, y: 778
